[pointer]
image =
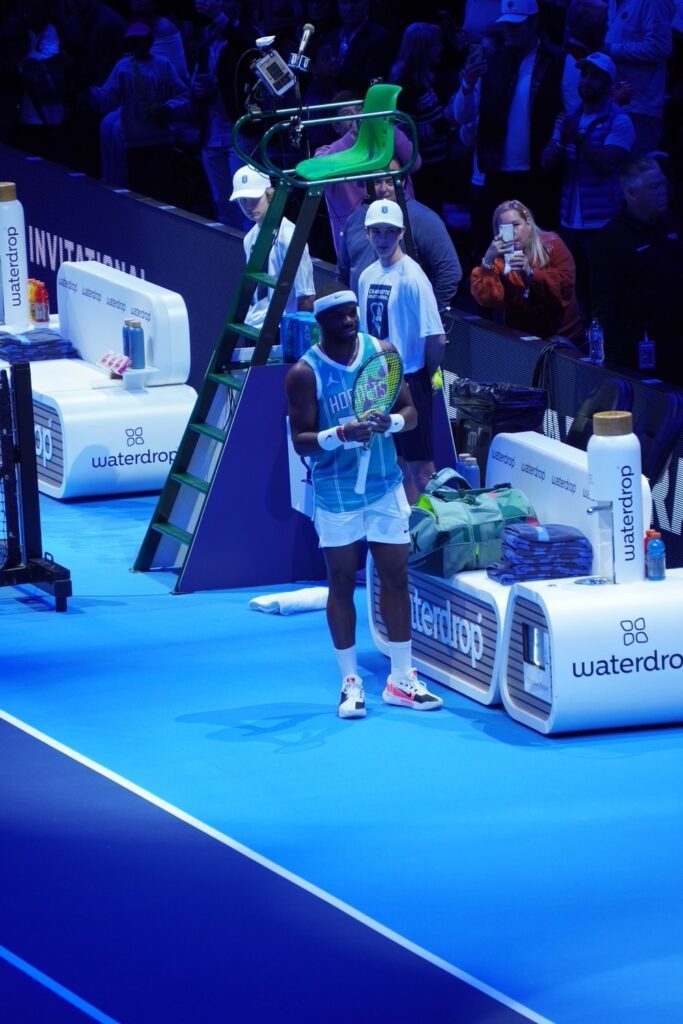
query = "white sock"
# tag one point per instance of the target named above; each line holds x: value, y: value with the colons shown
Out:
x: 346, y: 660
x: 401, y: 658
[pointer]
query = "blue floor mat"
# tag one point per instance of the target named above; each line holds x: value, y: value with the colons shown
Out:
x: 547, y: 868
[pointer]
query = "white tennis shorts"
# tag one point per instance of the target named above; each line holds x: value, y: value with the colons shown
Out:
x: 385, y: 521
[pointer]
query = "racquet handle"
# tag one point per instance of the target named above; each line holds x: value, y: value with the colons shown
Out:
x: 363, y: 463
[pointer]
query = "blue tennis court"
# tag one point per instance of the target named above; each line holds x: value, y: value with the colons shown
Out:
x: 189, y: 833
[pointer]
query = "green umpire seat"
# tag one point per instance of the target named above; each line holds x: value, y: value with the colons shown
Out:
x: 373, y: 149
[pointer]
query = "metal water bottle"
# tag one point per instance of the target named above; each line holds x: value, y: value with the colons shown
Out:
x: 136, y: 344
x: 14, y: 304
x: 614, y: 476
x: 468, y: 467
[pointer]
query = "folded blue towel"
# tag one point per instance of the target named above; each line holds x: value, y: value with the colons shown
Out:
x: 542, y: 552
x: 36, y: 343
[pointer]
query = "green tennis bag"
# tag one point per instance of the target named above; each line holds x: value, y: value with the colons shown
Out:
x: 457, y: 528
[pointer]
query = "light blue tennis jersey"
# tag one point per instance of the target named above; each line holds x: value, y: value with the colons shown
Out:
x: 334, y: 473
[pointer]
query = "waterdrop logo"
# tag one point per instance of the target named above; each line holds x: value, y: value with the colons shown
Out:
x: 134, y: 436
x: 441, y: 623
x: 643, y: 659
x: 634, y: 631
x: 44, y: 448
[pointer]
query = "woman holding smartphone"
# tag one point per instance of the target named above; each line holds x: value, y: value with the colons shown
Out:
x: 530, y: 273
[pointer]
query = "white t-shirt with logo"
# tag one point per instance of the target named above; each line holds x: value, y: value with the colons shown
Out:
x: 397, y: 304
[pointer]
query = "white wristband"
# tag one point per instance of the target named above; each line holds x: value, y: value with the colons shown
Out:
x: 331, y: 438
x: 397, y: 423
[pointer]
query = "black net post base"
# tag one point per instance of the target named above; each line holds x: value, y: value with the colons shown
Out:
x: 22, y: 560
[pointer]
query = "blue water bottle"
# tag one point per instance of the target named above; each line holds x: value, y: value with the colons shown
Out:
x: 468, y: 467
x: 125, y: 336
x: 136, y: 345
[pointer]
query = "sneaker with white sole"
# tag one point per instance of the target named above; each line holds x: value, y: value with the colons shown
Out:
x: 409, y: 692
x: 352, y: 699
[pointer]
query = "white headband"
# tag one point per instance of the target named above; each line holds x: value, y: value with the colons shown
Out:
x: 333, y: 299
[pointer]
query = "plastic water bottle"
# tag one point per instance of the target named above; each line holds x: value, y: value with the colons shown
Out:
x: 656, y: 558
x: 646, y: 353
x: 596, y: 344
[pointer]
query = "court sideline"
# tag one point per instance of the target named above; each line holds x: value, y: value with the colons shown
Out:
x: 548, y: 870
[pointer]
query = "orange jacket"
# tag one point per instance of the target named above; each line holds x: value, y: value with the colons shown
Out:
x: 548, y: 306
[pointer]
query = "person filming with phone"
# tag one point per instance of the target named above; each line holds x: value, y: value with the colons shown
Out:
x: 529, y: 274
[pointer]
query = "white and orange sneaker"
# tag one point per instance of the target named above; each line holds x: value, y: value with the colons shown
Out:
x: 409, y: 692
x: 352, y: 699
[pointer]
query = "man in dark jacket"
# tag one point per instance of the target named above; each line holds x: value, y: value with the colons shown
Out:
x: 514, y: 95
x: 636, y: 275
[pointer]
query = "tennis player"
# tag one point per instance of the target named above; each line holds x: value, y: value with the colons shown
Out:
x: 319, y: 389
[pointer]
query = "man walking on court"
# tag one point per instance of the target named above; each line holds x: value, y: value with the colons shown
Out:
x: 325, y: 429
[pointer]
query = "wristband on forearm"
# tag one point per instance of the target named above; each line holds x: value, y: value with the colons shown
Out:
x: 397, y: 424
x: 331, y: 438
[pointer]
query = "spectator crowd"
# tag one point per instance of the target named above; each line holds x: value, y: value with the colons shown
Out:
x: 547, y: 185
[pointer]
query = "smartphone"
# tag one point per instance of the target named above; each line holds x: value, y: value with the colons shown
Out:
x: 507, y: 233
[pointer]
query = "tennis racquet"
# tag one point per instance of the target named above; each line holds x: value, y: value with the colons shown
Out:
x: 375, y: 390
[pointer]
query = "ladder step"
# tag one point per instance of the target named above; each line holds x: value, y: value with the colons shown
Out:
x: 215, y: 433
x: 173, y: 531
x: 189, y: 480
x: 261, y: 278
x: 246, y: 330
x: 237, y: 383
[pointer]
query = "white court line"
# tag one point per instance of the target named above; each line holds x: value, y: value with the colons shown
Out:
x: 54, y: 986
x: 277, y: 869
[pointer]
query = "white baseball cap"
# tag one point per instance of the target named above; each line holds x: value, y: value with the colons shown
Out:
x: 248, y: 183
x: 384, y: 211
x: 602, y: 62
x: 515, y: 11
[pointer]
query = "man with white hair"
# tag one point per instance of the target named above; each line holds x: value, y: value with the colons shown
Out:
x: 397, y: 304
x: 636, y: 263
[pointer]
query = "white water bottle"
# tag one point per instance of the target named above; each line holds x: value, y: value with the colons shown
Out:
x: 614, y: 475
x: 14, y: 307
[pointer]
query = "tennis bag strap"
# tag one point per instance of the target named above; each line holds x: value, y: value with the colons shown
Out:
x: 444, y: 476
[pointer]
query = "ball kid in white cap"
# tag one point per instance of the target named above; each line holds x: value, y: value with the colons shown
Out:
x: 384, y: 211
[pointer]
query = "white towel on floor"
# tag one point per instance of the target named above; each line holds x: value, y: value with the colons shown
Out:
x: 309, y: 599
